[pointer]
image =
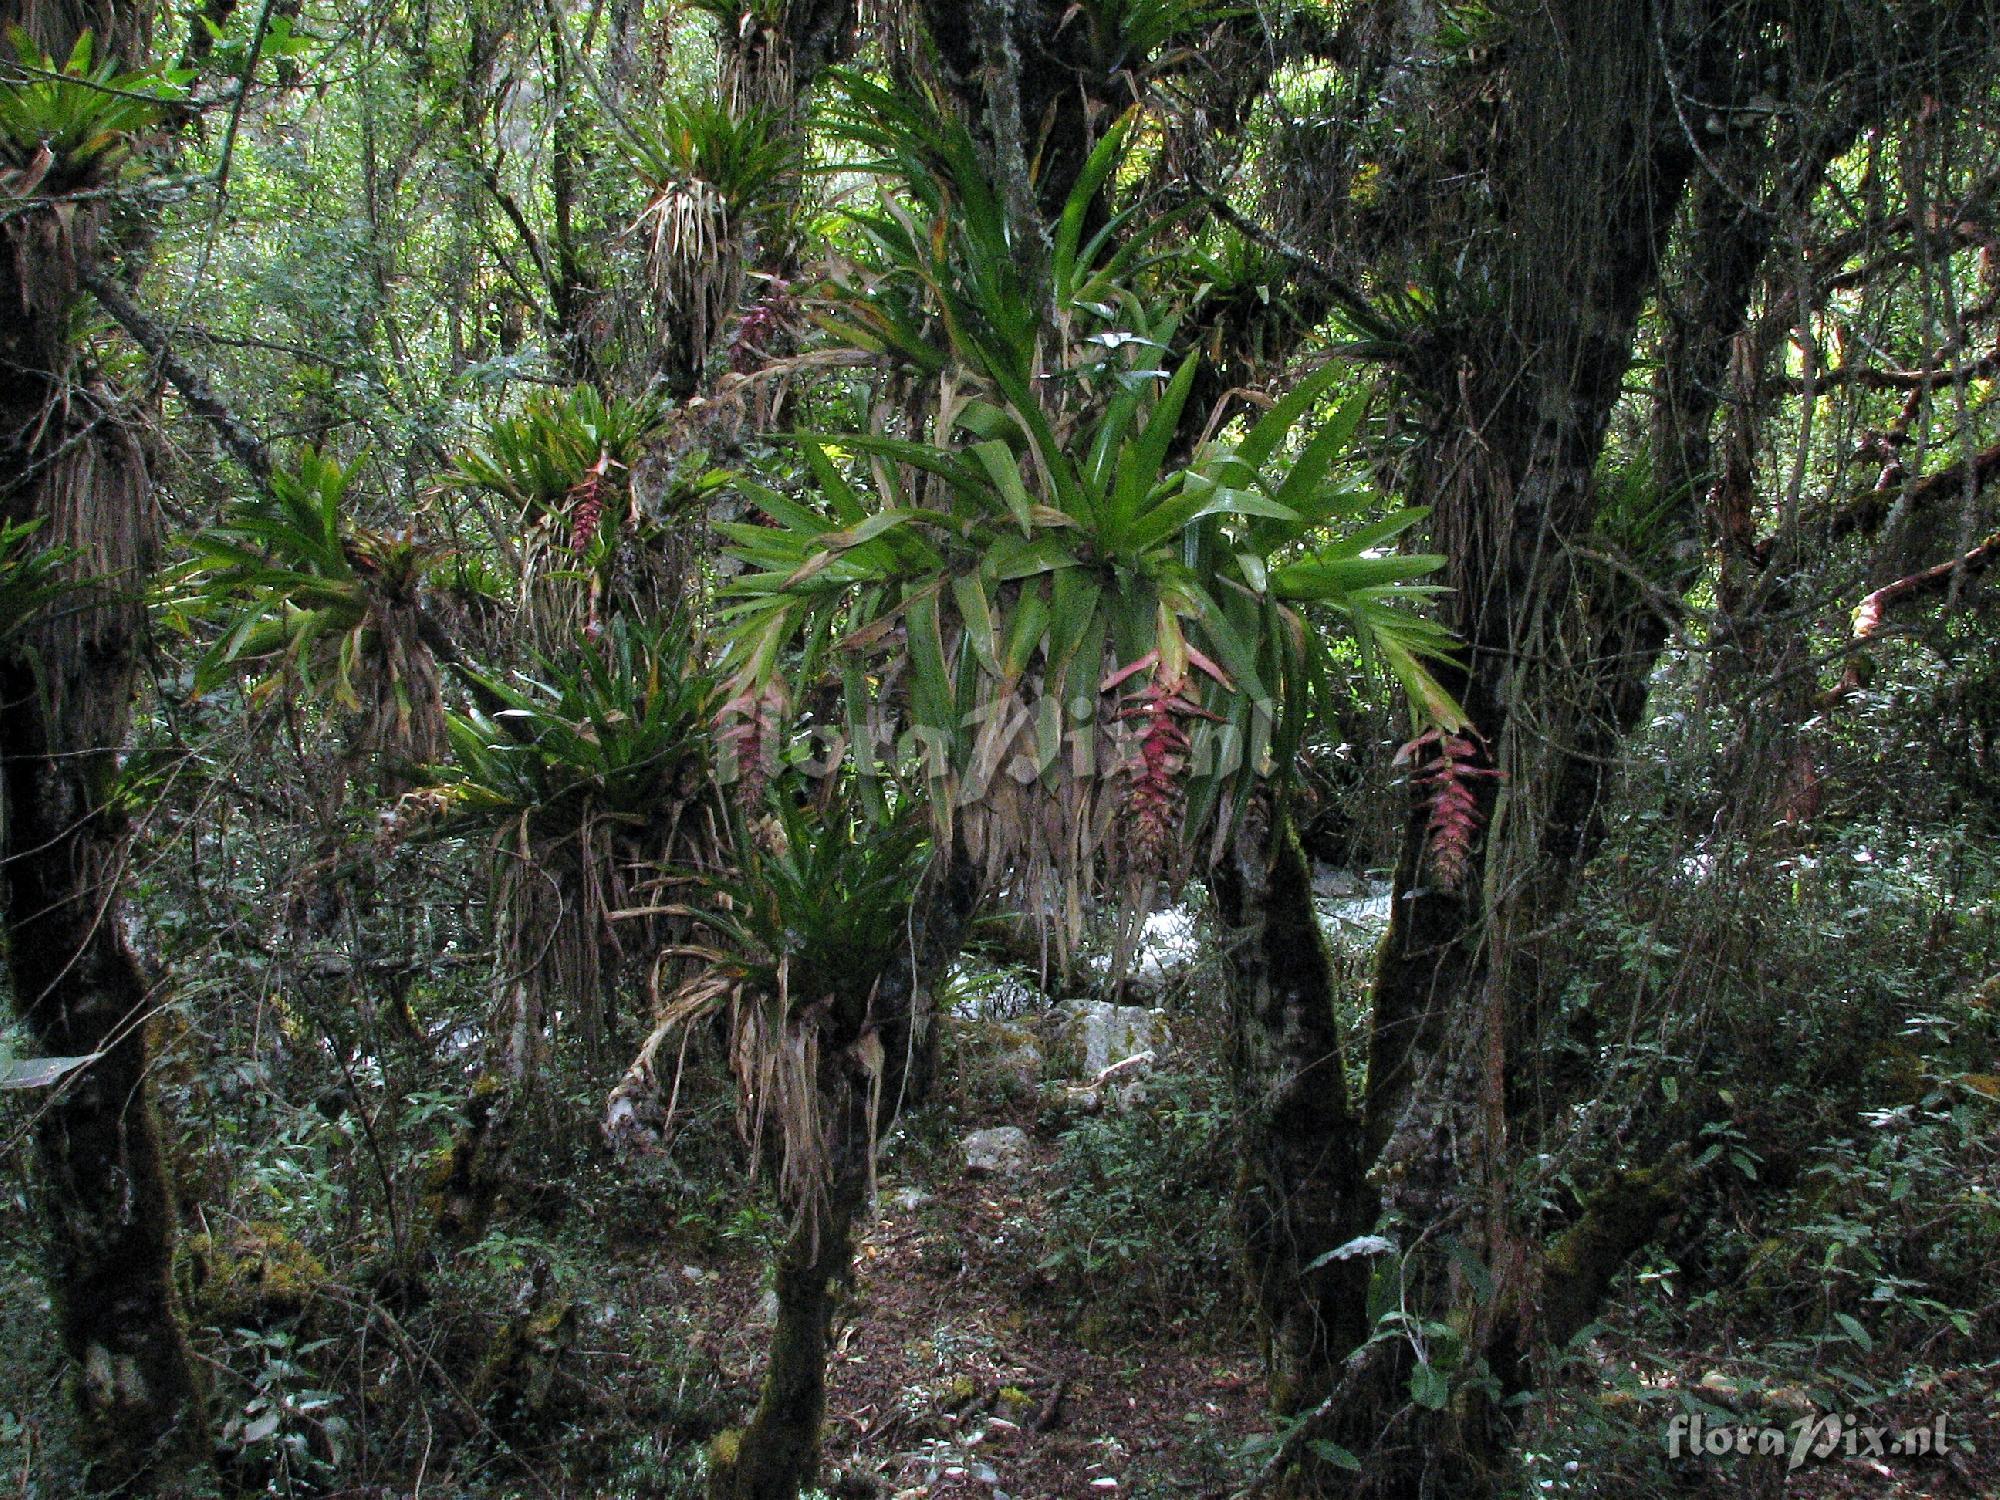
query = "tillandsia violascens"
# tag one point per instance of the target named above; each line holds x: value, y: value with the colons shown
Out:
x: 1444, y: 769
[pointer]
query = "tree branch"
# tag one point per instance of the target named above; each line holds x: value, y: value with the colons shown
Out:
x: 249, y: 449
x: 1867, y: 514
x: 1870, y: 612
x: 1342, y: 292
x: 1872, y: 378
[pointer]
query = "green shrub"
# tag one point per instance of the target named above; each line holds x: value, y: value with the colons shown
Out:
x: 1138, y: 1233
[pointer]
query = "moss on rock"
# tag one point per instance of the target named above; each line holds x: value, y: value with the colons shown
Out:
x: 255, y: 1275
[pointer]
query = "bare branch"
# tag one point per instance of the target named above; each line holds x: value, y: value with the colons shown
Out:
x: 249, y: 449
x: 1867, y: 514
x: 1870, y: 614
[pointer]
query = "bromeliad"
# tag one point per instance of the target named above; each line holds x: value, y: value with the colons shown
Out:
x: 1037, y: 519
x: 1154, y: 789
x: 1445, y: 778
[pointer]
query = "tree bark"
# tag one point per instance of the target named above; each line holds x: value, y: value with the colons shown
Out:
x: 1300, y: 1193
x: 777, y: 1455
x: 873, y: 1065
x: 1030, y: 83
x: 70, y: 458
x: 103, y: 1188
x: 1514, y: 361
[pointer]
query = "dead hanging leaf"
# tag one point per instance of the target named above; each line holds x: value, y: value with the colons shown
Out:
x: 20, y: 182
x: 868, y: 1052
x: 40, y: 1072
x: 692, y: 261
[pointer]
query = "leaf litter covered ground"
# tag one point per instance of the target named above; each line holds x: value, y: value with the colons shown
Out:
x: 963, y: 1368
x: 961, y: 1376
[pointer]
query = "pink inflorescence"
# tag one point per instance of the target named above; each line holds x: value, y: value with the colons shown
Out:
x: 1153, y: 795
x: 745, y: 733
x: 762, y: 323
x: 586, y: 505
x: 1447, y: 776
x: 1152, y: 801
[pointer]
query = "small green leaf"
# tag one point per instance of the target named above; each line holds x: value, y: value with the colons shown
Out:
x: 1271, y: 428
x: 1334, y: 1454
x: 1854, y: 1330
x: 1429, y: 1388
x: 1010, y: 557
x: 1025, y: 632
x: 970, y: 595
x: 997, y: 459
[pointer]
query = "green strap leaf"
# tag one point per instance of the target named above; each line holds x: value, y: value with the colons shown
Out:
x: 1076, y: 208
x: 1026, y: 631
x: 1309, y: 472
x: 930, y: 675
x: 969, y: 593
x: 998, y: 460
x: 1276, y: 424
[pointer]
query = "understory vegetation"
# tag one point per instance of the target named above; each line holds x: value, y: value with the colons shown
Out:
x: 1010, y: 750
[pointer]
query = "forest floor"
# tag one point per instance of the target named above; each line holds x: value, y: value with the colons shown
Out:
x: 953, y: 1387
x: 972, y: 1359
x: 961, y: 1369
x: 1068, y: 1326
x: 956, y: 1371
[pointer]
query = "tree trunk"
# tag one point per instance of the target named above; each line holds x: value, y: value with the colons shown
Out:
x: 1028, y: 81
x: 69, y: 458
x: 103, y: 1190
x: 777, y: 1455
x: 872, y: 1067
x: 1515, y: 364
x: 1300, y: 1193
x: 1516, y: 360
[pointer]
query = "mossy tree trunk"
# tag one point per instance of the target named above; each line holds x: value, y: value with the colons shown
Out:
x: 1512, y: 372
x: 1512, y: 388
x: 71, y: 459
x: 103, y: 1189
x: 777, y: 1455
x: 876, y: 1059
x: 1300, y: 1192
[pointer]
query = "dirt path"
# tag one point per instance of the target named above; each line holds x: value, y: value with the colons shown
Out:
x: 959, y: 1374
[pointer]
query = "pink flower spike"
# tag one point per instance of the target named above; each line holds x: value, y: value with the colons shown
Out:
x: 1150, y: 659
x: 1195, y: 658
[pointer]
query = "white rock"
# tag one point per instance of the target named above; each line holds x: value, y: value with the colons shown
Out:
x: 1003, y: 1148
x: 1331, y: 883
x: 1108, y: 1034
x: 1167, y: 944
x: 1017, y: 1051
x: 1356, y: 920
